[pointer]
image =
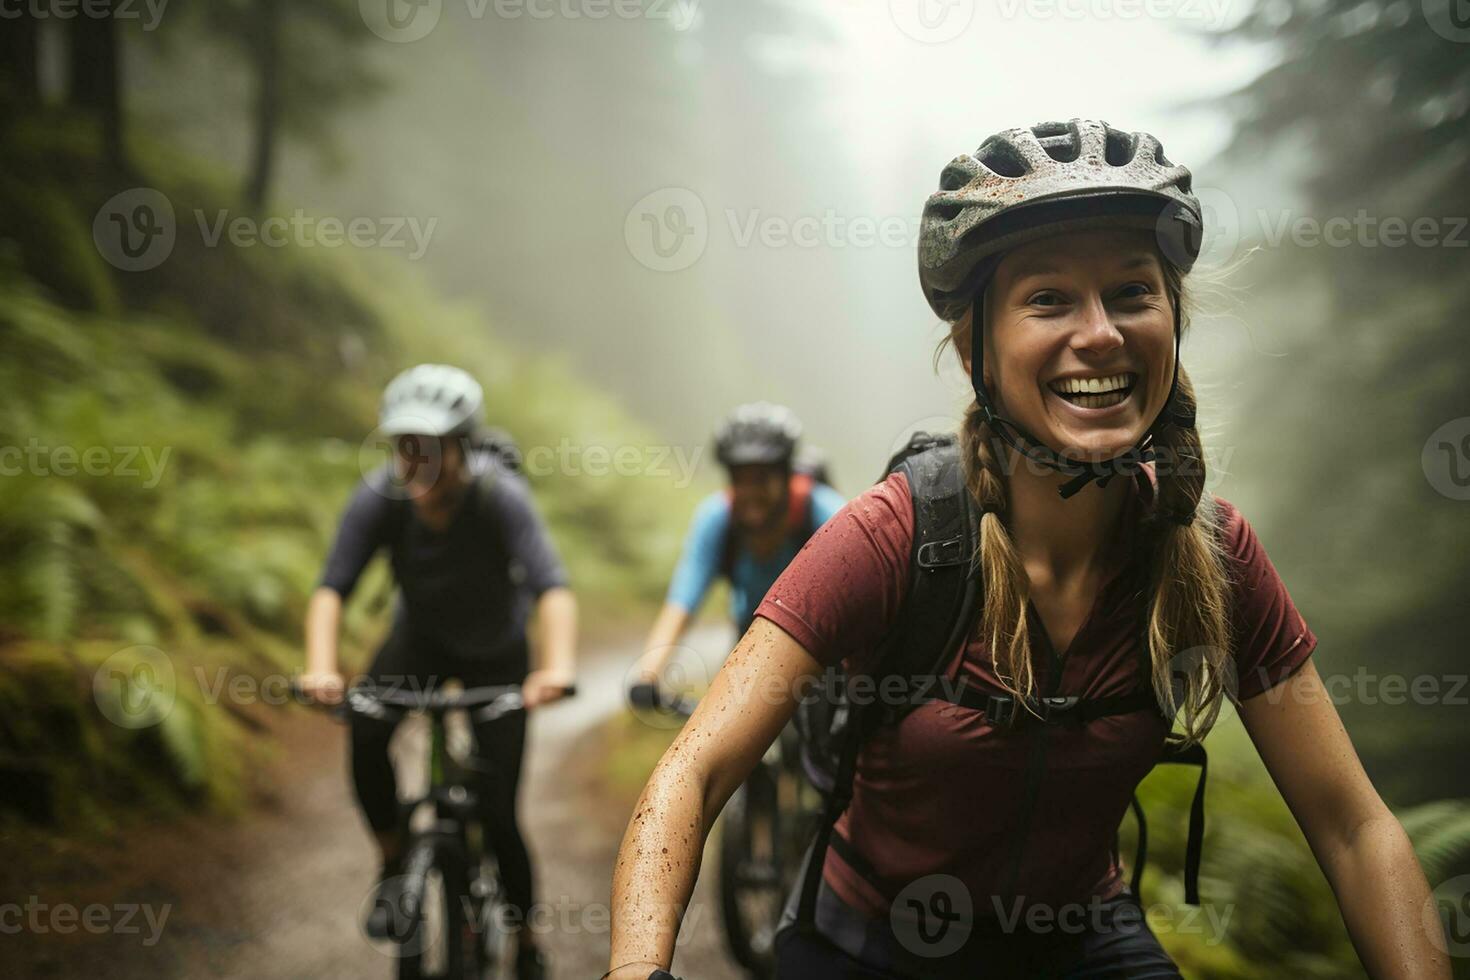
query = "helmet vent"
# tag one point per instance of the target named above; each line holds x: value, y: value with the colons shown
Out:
x: 1061, y: 141
x: 1003, y: 158
x: 1119, y: 149
x: 1163, y: 161
x: 946, y: 212
x: 954, y: 178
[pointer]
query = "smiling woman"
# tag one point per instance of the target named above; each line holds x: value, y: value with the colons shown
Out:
x: 1119, y: 605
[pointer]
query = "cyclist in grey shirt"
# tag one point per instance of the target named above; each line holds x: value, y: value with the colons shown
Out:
x: 473, y: 561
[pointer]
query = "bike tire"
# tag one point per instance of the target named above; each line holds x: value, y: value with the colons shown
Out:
x: 750, y: 822
x: 432, y: 948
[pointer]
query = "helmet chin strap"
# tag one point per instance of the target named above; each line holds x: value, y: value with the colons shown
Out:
x: 1101, y: 472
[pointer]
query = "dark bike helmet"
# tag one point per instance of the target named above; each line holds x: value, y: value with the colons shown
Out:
x: 758, y: 433
x: 1026, y: 184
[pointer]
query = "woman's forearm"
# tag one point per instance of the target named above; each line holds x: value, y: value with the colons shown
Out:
x: 663, y: 641
x: 1383, y: 895
x: 656, y: 868
x: 556, y: 615
x: 323, y: 622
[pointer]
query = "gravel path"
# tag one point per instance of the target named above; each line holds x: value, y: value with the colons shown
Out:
x: 278, y: 892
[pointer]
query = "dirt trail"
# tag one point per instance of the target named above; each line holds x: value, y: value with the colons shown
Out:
x: 277, y: 894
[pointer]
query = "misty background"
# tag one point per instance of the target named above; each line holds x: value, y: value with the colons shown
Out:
x: 628, y: 223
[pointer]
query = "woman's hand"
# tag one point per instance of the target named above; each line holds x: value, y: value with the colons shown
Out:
x: 322, y: 687
x: 545, y: 686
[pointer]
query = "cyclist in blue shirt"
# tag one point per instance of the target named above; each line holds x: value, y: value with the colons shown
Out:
x: 748, y: 533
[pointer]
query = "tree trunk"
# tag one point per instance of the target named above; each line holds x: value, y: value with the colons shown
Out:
x: 267, y: 48
x: 96, y: 76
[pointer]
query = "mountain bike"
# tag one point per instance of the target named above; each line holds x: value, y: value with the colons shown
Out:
x: 448, y: 918
x: 764, y: 832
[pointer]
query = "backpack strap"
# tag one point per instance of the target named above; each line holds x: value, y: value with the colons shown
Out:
x: 1174, y: 753
x: 936, y: 615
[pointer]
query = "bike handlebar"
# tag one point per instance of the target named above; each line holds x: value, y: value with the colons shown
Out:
x: 483, y: 703
x: 651, y: 697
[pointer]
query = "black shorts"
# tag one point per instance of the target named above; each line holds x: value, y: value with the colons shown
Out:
x: 1116, y: 943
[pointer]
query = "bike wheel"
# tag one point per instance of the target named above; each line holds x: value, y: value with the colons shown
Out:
x: 493, y: 948
x: 431, y: 946
x: 752, y: 892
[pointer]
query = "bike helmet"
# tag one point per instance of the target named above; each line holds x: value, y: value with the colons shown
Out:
x: 758, y: 433
x: 1026, y: 184
x: 431, y: 400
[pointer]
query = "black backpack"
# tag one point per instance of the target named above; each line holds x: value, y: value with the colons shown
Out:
x: 937, y: 616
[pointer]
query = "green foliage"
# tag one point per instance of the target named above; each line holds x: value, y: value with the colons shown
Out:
x: 178, y: 446
x: 1374, y: 554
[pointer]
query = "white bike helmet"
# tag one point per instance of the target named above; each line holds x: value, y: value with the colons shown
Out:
x: 431, y: 400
